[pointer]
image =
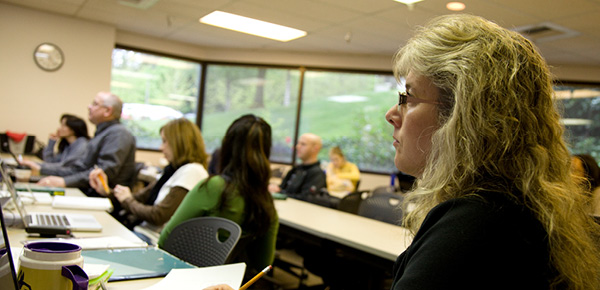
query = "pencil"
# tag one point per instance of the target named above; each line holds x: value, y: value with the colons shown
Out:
x: 262, y: 273
x: 103, y: 182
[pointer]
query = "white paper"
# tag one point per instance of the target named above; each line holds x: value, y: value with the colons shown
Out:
x: 94, y: 270
x: 200, y: 278
x: 82, y: 202
x: 43, y: 198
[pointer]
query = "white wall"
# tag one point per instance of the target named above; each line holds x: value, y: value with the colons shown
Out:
x: 31, y: 99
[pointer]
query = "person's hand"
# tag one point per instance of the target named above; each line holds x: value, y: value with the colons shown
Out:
x: 95, y: 182
x: 53, y: 136
x: 52, y: 181
x: 274, y: 188
x: 33, y: 165
x: 122, y: 193
x: 219, y: 287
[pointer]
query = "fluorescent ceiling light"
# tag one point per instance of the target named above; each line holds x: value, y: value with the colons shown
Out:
x: 251, y: 26
x: 456, y: 6
x: 408, y: 2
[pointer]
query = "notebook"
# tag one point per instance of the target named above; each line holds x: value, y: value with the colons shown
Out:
x: 135, y: 263
x: 49, y: 224
x: 8, y: 277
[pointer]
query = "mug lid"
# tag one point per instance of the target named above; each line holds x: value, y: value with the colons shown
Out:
x: 53, y: 247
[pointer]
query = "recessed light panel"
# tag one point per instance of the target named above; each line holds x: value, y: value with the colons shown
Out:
x: 252, y: 26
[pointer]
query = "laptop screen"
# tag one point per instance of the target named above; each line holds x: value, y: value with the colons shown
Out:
x: 8, y: 278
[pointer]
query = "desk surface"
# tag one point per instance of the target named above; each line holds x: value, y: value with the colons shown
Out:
x: 371, y: 236
x: 110, y: 227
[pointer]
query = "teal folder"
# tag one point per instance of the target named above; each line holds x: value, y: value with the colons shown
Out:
x: 135, y: 263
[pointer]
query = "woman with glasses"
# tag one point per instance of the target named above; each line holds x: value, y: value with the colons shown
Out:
x: 495, y: 206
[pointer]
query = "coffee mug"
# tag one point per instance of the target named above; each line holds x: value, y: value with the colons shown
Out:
x: 52, y: 266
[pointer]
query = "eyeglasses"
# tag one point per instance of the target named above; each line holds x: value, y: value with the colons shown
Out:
x: 95, y: 104
x: 404, y: 98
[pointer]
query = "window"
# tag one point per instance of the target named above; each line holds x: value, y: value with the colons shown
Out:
x: 154, y: 90
x: 347, y: 110
x: 271, y: 93
x: 581, y: 117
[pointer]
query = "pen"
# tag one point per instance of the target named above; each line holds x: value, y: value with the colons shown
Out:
x: 103, y: 182
x: 262, y: 273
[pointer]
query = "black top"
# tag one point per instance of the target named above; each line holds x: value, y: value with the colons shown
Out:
x: 304, y: 178
x: 483, y: 241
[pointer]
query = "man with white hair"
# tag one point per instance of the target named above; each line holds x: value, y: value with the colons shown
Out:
x: 112, y: 149
x: 307, y: 177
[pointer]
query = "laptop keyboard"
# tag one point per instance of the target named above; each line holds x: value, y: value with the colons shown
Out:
x: 52, y: 220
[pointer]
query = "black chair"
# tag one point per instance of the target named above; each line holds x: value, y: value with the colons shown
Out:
x: 383, y: 189
x: 384, y: 207
x: 351, y: 202
x: 201, y: 242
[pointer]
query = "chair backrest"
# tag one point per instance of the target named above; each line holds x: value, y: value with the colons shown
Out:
x: 351, y: 202
x: 196, y: 241
x: 384, y: 207
x: 383, y: 189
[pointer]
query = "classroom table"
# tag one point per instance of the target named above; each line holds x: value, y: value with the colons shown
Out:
x: 377, y: 238
x: 372, y: 243
x: 110, y: 227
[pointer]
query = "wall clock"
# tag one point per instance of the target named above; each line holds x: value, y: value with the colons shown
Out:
x: 48, y: 57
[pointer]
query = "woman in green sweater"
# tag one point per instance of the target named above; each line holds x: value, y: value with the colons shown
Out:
x: 239, y: 192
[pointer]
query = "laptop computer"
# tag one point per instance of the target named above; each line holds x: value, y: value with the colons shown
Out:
x: 50, y: 224
x: 8, y: 273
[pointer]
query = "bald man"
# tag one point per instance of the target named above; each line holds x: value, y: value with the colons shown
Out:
x: 112, y: 149
x: 307, y: 177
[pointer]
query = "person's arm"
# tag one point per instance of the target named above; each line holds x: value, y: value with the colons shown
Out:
x: 196, y: 203
x: 282, y: 187
x: 113, y: 151
x: 314, y: 180
x: 156, y: 214
x: 262, y: 250
x: 48, y: 153
x: 76, y: 151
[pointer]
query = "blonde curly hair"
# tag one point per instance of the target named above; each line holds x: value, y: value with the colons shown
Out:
x: 498, y: 122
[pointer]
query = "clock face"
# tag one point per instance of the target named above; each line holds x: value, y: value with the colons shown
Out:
x: 48, y: 57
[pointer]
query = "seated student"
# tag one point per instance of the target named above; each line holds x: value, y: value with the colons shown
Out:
x: 307, y: 177
x: 112, y: 148
x: 341, y: 174
x: 73, y: 135
x: 153, y: 206
x: 239, y: 192
x: 586, y: 168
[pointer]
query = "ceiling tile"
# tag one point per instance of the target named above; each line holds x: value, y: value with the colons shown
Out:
x: 376, y: 27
